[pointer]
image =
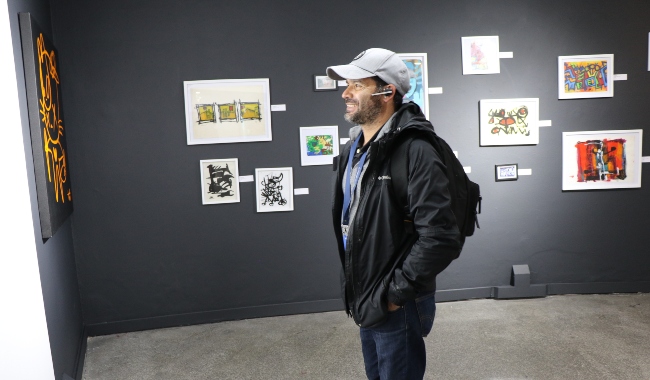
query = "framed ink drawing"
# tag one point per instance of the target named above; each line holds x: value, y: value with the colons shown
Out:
x: 585, y: 76
x: 324, y: 83
x: 418, y: 76
x: 480, y: 55
x: 46, y: 125
x: 220, y: 181
x: 274, y: 189
x: 509, y: 121
x: 318, y: 145
x: 506, y: 172
x: 227, y: 111
x: 594, y: 160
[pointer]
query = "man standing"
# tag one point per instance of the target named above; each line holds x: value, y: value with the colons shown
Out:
x: 391, y: 249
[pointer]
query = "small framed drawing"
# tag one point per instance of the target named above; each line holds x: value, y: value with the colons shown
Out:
x: 325, y: 83
x: 593, y: 160
x: 220, y: 181
x: 418, y: 76
x: 318, y: 145
x: 505, y: 172
x: 509, y: 121
x: 585, y: 76
x: 227, y: 111
x: 480, y: 55
x: 274, y: 189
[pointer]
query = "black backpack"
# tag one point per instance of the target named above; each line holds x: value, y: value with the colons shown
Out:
x: 465, y: 194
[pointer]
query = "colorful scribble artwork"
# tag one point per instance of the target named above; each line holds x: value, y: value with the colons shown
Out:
x: 320, y: 145
x: 274, y: 188
x: 480, y: 55
x: 207, y: 113
x: 585, y: 76
x: 220, y: 181
x: 416, y: 63
x: 241, y: 111
x: 509, y: 121
x: 250, y: 110
x: 228, y: 112
x: 48, y: 132
x: 601, y: 159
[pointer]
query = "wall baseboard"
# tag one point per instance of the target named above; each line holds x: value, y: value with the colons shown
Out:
x: 213, y: 316
x: 447, y: 295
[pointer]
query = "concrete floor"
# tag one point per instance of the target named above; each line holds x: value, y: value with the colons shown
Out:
x: 578, y: 337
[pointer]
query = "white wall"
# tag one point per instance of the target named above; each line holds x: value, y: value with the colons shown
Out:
x: 24, y: 342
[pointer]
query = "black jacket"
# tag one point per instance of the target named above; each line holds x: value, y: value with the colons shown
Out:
x: 388, y: 259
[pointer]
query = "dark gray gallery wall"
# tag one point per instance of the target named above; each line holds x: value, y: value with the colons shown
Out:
x: 149, y: 254
x: 56, y: 255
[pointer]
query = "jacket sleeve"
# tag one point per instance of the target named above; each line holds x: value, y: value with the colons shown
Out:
x: 438, y: 238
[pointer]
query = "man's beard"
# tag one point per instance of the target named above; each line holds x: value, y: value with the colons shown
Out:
x: 366, y: 112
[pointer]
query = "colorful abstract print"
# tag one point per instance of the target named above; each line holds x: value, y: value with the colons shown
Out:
x: 509, y: 122
x: 601, y: 160
x: 585, y: 76
x: 320, y: 145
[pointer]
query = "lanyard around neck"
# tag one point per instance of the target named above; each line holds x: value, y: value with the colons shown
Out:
x: 351, y: 187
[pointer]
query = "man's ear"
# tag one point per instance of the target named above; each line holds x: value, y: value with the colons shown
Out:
x: 389, y: 97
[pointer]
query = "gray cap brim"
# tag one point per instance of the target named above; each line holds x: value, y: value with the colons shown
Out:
x: 343, y: 72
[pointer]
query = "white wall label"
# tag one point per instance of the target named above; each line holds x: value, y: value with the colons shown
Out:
x: 468, y: 169
x: 343, y: 140
x: 525, y: 171
x: 301, y: 191
x: 545, y: 123
x: 278, y: 107
x: 435, y: 90
x: 246, y: 178
x: 505, y: 54
x: 620, y: 76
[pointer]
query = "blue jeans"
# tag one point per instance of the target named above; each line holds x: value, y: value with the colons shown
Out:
x: 395, y: 349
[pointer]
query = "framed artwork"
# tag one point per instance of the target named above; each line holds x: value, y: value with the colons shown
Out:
x: 46, y: 125
x: 509, y: 121
x: 585, y: 76
x: 506, y: 172
x: 593, y: 160
x: 274, y: 189
x: 325, y: 83
x: 220, y: 181
x: 480, y: 55
x: 227, y: 111
x: 418, y: 74
x: 318, y: 145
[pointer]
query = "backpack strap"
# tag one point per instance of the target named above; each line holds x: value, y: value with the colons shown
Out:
x: 399, y: 164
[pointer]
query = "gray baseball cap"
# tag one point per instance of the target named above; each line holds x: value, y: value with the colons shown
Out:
x: 375, y: 62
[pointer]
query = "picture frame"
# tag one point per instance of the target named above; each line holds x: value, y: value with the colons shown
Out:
x: 419, y: 78
x: 46, y: 125
x: 220, y: 181
x: 318, y: 145
x: 598, y: 160
x: 274, y: 189
x: 227, y: 111
x: 509, y: 121
x: 585, y: 76
x: 324, y: 83
x: 506, y: 172
x: 480, y: 55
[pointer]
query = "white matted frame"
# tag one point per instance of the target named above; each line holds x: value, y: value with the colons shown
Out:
x: 274, y: 189
x: 509, y: 121
x: 480, y: 55
x: 220, y: 181
x: 594, y: 160
x: 585, y: 76
x: 419, y: 78
x: 325, y: 83
x: 318, y: 145
x: 227, y: 111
